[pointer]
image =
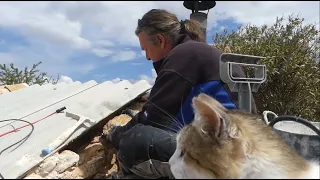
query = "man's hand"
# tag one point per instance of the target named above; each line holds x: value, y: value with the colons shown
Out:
x: 113, y: 137
x: 112, y: 133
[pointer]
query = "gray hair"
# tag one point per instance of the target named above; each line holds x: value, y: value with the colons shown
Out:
x: 158, y: 21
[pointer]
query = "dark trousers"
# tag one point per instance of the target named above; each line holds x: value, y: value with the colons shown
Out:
x: 145, y: 151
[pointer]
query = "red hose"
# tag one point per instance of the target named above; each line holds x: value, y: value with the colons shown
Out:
x: 14, y: 130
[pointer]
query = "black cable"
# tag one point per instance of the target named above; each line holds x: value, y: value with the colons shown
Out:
x: 27, y: 136
x: 22, y: 140
x: 296, y: 119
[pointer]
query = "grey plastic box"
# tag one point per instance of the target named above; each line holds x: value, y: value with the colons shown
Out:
x: 243, y: 85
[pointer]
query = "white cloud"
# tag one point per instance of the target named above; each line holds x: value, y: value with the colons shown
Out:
x: 83, y: 68
x: 143, y: 53
x: 106, y: 43
x: 222, y: 28
x: 77, y: 24
x: 65, y: 79
x: 33, y: 20
x: 100, y: 75
x: 150, y: 79
x: 116, y: 80
x: 265, y: 12
x: 55, y: 31
x: 125, y: 55
x: 102, y: 52
x: 62, y: 79
x: 2, y: 42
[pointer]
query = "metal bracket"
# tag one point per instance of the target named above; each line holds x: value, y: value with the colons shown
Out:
x: 243, y: 85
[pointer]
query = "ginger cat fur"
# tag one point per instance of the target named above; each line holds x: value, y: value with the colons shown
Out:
x: 223, y: 143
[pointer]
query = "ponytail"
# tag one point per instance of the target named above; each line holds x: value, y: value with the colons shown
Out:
x: 161, y: 21
x: 193, y: 29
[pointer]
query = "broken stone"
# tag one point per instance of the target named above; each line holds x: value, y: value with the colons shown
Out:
x: 96, y: 139
x: 74, y: 174
x: 92, y: 167
x: 86, y: 170
x: 114, y: 168
x: 53, y: 175
x: 66, y: 160
x: 91, y: 151
x: 33, y: 176
x: 47, y: 166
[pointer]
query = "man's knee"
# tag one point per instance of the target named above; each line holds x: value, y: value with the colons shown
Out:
x: 142, y: 143
x: 146, y: 150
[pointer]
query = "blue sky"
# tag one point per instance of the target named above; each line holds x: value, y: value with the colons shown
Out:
x: 85, y: 41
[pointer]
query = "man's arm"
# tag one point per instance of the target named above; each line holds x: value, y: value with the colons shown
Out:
x: 166, y: 98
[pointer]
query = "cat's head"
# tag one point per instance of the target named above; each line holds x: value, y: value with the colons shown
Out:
x: 211, y: 146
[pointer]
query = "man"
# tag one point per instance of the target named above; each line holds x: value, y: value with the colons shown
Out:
x: 186, y: 66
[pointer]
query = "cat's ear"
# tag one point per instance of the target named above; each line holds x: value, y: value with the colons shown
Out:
x: 213, y: 119
x: 211, y: 101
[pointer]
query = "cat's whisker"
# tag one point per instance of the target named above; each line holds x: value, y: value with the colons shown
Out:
x: 179, y: 126
x: 163, y: 110
x: 181, y: 105
x: 171, y: 120
x: 170, y: 116
x: 173, y: 130
x: 183, y: 121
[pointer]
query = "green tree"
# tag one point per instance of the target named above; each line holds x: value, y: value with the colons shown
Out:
x: 291, y: 48
x: 11, y: 75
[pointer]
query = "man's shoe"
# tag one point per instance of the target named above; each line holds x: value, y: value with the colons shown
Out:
x: 111, y: 134
x: 130, y: 112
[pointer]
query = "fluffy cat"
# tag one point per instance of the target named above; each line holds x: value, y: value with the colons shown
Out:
x: 223, y: 143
